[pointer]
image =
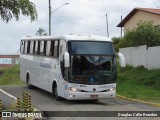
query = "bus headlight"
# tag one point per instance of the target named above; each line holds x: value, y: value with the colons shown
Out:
x: 111, y: 89
x: 74, y: 89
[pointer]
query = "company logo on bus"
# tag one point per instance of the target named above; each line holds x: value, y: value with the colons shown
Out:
x: 94, y: 89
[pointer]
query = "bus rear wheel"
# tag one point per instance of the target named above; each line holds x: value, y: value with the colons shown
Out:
x: 27, y: 82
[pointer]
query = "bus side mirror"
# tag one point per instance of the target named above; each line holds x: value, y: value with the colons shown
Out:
x: 66, y: 60
x: 121, y: 60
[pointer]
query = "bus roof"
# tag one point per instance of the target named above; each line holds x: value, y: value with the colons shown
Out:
x: 69, y: 37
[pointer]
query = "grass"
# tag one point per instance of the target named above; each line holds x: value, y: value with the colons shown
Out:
x: 139, y: 83
x: 10, y: 76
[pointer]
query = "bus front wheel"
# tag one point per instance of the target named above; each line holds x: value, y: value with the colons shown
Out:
x: 55, y: 92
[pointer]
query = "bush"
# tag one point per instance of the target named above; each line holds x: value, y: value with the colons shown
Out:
x: 144, y: 34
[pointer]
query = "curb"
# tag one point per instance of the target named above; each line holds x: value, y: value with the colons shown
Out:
x: 7, y: 99
x: 136, y: 100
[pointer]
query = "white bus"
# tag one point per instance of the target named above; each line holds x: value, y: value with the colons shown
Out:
x: 74, y: 67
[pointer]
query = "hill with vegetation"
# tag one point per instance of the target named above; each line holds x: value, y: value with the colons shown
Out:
x: 139, y: 83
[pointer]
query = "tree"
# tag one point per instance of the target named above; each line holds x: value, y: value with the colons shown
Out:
x: 116, y: 41
x: 41, y: 32
x: 13, y: 8
x: 144, y: 34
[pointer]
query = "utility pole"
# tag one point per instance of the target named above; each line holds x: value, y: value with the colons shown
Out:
x: 107, y: 26
x: 50, y: 12
x: 121, y: 28
x: 49, y: 17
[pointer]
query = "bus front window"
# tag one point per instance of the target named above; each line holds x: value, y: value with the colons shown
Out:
x: 92, y: 68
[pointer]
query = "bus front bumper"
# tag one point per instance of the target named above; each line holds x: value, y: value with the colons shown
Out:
x: 89, y: 95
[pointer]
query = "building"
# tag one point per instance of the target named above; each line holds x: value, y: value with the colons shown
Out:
x: 140, y: 14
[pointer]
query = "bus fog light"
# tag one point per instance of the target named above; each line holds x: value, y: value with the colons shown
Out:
x: 74, y: 89
x: 71, y: 95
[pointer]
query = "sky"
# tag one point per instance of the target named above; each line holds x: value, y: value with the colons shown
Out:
x: 86, y: 17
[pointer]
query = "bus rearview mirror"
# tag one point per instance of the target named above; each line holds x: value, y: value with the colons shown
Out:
x: 121, y: 60
x: 66, y: 60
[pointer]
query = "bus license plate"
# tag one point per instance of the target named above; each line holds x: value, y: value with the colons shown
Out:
x: 94, y: 96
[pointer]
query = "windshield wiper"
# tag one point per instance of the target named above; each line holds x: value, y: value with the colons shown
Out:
x: 106, y: 75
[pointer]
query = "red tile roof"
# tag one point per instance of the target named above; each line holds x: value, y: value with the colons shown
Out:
x: 150, y: 10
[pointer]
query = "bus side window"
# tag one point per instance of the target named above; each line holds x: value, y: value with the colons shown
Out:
x: 41, y: 47
x: 52, y: 48
x: 38, y: 50
x: 28, y: 47
x: 31, y: 47
x: 44, y: 49
x: 62, y: 49
x: 25, y: 48
x: 56, y: 48
x: 34, y: 46
x: 48, y: 48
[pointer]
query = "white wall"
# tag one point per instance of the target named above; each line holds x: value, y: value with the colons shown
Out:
x: 153, y: 58
x: 127, y: 55
x: 137, y: 56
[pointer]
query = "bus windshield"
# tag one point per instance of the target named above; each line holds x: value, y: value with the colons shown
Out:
x: 92, y: 63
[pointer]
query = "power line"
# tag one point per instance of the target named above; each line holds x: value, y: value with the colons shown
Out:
x: 77, y: 14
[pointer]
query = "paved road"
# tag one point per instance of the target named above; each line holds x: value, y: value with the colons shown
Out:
x: 45, y: 101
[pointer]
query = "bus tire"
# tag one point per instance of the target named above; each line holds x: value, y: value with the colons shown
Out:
x: 29, y: 86
x: 55, y: 91
x: 95, y: 100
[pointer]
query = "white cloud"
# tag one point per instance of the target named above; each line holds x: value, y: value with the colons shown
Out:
x: 79, y: 17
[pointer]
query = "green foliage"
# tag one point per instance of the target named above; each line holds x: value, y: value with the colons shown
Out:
x: 13, y: 8
x: 139, y: 83
x: 41, y: 32
x: 10, y: 76
x: 144, y: 34
x: 116, y: 42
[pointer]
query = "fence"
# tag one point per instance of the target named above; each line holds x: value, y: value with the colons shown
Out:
x: 141, y: 55
x: 14, y: 60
